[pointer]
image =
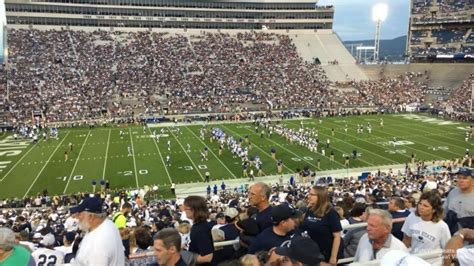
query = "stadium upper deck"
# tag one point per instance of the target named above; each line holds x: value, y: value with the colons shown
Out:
x: 441, y: 30
x: 209, y: 14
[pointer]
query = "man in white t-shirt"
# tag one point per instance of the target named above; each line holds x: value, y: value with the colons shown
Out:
x: 101, y: 244
x: 47, y: 255
x: 378, y: 240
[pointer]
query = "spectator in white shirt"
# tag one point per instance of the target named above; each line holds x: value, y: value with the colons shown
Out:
x: 378, y: 240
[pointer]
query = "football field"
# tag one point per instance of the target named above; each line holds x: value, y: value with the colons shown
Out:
x: 27, y: 168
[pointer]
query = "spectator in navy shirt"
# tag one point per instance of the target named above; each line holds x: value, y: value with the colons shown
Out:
x: 259, y: 195
x: 230, y: 233
x: 396, y: 207
x: 167, y: 247
x: 322, y: 224
x: 201, y: 238
x: 279, y: 233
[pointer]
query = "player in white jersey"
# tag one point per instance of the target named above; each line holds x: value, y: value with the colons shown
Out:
x: 169, y: 145
x: 129, y: 151
x: 46, y: 255
x: 121, y: 134
x: 168, y: 160
x: 188, y: 148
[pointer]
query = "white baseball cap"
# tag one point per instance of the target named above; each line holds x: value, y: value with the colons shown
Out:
x: 48, y: 240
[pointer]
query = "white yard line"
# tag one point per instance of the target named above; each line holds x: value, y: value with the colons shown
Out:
x: 364, y: 140
x: 161, y: 157
x: 106, y: 154
x: 13, y: 167
x: 195, y: 167
x: 415, y: 141
x: 77, y: 160
x: 44, y: 166
x: 301, y: 157
x: 255, y: 145
x: 133, y: 155
x: 360, y: 148
x: 217, y: 157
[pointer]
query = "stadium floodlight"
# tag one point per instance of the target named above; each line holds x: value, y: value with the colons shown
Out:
x: 379, y: 14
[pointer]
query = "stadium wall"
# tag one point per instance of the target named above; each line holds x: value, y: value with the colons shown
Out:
x: 441, y: 75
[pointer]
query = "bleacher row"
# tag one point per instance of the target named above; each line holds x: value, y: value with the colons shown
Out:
x: 423, y: 6
x: 441, y: 30
x: 76, y: 75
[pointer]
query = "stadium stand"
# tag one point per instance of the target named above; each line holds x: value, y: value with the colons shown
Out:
x: 33, y: 218
x: 74, y: 73
x: 440, y: 31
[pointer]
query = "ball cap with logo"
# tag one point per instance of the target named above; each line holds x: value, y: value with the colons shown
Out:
x: 464, y: 171
x: 90, y: 204
x: 301, y: 249
x: 282, y: 212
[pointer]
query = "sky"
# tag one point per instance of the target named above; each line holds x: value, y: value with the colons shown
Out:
x: 353, y: 19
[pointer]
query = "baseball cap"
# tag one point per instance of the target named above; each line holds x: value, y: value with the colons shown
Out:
x: 282, y: 212
x: 231, y: 213
x: 48, y: 240
x: 91, y: 204
x: 301, y: 249
x: 37, y: 235
x: 464, y: 171
x: 220, y: 215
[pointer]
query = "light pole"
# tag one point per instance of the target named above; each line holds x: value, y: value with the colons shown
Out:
x: 379, y: 14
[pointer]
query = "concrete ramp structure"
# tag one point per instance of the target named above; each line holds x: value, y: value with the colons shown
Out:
x: 449, y: 75
x: 327, y: 47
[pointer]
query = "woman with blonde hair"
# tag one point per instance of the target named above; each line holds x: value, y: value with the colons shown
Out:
x: 322, y: 224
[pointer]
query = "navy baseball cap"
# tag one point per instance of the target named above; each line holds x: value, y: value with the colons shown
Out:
x: 301, y: 249
x: 282, y: 212
x: 90, y: 204
x: 464, y: 171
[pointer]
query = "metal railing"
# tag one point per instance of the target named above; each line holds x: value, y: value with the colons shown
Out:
x: 425, y: 255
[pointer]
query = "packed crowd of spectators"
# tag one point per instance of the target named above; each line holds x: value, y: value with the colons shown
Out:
x: 390, y: 93
x: 460, y: 99
x: 449, y: 40
x: 265, y: 218
x: 77, y: 75
x: 72, y: 75
x: 445, y: 6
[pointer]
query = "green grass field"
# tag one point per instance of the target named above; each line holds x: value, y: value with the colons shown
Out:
x: 27, y: 169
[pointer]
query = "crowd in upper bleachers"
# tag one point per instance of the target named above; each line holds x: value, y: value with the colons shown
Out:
x: 77, y: 75
x: 437, y: 20
x: 445, y: 6
x: 126, y: 227
x: 460, y: 99
x: 89, y: 72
